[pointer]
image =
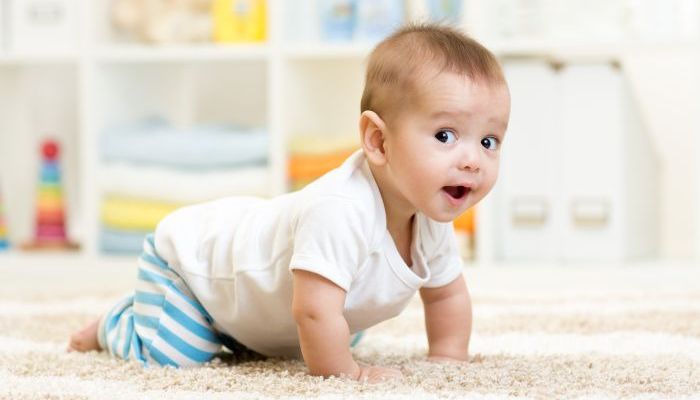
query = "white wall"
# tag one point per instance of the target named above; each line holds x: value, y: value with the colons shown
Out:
x: 666, y: 83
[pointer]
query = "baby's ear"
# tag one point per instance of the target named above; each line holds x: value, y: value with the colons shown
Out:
x: 372, y: 130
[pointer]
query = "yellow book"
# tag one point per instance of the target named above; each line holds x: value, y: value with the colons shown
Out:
x: 133, y: 214
x: 239, y: 20
x: 295, y: 185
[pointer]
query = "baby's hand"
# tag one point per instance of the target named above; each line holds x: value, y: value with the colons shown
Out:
x: 372, y: 374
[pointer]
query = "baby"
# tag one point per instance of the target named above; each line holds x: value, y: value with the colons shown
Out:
x: 304, y: 273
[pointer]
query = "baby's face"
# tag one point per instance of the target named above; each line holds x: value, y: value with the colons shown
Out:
x: 443, y: 151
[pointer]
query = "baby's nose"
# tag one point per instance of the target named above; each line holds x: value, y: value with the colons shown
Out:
x: 470, y: 159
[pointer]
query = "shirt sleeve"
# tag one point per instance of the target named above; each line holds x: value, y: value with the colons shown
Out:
x: 330, y: 239
x: 442, y: 254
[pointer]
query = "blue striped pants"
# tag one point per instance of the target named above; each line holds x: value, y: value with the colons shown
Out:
x: 162, y: 322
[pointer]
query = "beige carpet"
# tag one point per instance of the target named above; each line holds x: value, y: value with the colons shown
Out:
x: 556, y: 332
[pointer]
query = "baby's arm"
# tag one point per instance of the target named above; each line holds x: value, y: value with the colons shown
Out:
x: 448, y: 320
x: 324, y: 335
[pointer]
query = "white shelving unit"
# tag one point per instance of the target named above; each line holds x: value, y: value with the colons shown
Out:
x: 286, y: 84
x: 74, y: 95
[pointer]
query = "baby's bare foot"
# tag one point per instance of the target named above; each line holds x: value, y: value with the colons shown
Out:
x: 85, y: 339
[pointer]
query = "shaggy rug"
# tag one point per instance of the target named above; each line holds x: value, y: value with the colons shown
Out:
x: 555, y: 332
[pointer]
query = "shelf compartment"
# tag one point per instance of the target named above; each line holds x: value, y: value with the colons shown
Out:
x: 43, y: 104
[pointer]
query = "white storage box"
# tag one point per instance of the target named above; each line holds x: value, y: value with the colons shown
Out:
x: 579, y: 177
x: 42, y: 26
x: 526, y: 194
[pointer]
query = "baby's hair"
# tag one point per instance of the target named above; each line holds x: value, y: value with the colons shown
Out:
x: 396, y: 63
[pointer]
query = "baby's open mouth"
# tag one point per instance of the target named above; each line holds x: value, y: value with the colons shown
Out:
x: 456, y: 192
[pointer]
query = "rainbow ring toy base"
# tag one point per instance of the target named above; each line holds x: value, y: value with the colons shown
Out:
x: 49, y: 246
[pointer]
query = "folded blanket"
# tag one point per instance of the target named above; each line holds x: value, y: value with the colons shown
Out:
x: 465, y: 222
x: 155, y: 142
x: 117, y: 241
x: 134, y: 214
x: 177, y: 186
x: 311, y: 166
x: 322, y: 144
x: 299, y: 184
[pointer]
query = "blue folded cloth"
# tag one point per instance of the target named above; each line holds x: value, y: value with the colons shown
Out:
x: 154, y: 141
x: 121, y: 242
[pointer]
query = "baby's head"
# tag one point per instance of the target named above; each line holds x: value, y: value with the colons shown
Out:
x: 434, y: 113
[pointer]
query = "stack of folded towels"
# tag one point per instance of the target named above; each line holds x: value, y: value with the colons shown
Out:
x: 465, y: 229
x: 150, y: 168
x: 311, y: 156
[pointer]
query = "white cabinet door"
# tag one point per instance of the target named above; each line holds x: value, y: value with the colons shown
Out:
x: 569, y: 188
x: 592, y: 162
x: 529, y: 174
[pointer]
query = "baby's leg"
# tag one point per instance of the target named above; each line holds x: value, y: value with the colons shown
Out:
x: 86, y: 338
x: 161, y: 323
x: 92, y: 336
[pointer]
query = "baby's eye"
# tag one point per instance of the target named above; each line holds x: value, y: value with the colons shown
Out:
x: 446, y: 136
x: 490, y: 143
